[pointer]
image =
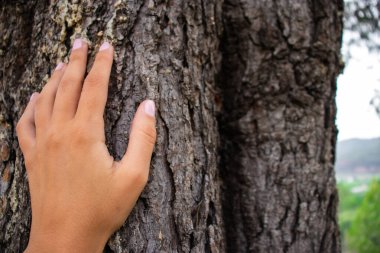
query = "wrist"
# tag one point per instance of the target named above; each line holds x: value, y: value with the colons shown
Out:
x: 65, y: 242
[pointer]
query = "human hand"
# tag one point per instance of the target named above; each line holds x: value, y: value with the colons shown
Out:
x: 79, y: 194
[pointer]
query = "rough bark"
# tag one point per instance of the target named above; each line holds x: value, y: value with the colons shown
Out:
x: 164, y: 50
x: 280, y: 63
x: 276, y: 69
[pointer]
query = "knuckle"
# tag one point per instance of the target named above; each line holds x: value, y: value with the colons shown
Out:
x: 40, y: 119
x: 103, y: 59
x: 93, y: 79
x: 65, y: 83
x: 149, y: 134
x: 99, y: 73
x: 69, y: 80
x: 80, y: 134
x: 76, y: 56
x: 39, y: 101
x: 46, y: 89
x: 21, y: 135
x: 79, y: 140
x: 88, y: 105
x: 38, y: 111
x: 54, y: 140
x: 19, y: 126
x: 21, y: 144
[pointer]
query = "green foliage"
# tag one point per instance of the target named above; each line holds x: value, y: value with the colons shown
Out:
x: 349, y: 200
x: 364, y: 233
x: 348, y: 204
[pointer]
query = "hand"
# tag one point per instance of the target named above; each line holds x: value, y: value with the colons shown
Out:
x: 79, y: 194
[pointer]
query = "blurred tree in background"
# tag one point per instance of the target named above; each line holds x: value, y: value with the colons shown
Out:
x: 359, y: 206
x: 362, y: 23
x: 349, y: 203
x: 364, y: 234
x: 375, y: 101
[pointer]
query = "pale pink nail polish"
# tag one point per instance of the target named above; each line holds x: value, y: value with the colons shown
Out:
x: 77, y: 44
x: 33, y: 96
x: 59, y: 66
x: 104, y: 46
x: 150, y: 108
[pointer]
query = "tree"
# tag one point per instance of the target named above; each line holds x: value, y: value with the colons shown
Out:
x: 349, y: 202
x: 246, y: 136
x: 364, y: 235
x: 361, y: 23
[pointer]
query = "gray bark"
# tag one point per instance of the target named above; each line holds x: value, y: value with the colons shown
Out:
x: 280, y: 63
x: 263, y: 117
x: 165, y: 51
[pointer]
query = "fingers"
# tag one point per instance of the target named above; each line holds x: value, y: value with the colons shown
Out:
x: 95, y: 88
x: 26, y: 131
x: 70, y: 87
x: 45, y: 104
x: 135, y: 163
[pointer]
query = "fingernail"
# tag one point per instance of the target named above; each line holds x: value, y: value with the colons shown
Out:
x: 59, y: 66
x: 150, y: 108
x: 77, y: 44
x: 104, y: 46
x: 33, y: 96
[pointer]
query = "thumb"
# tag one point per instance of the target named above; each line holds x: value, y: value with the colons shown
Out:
x: 136, y: 160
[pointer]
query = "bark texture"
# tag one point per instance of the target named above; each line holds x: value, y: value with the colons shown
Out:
x: 244, y: 88
x: 164, y: 50
x: 280, y: 64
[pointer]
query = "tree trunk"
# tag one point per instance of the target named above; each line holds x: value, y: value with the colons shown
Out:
x: 165, y: 51
x: 273, y: 95
x: 278, y: 80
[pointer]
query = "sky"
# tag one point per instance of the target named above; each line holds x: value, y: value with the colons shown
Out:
x: 356, y: 118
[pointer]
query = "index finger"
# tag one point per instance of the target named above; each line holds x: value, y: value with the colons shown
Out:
x: 95, y: 88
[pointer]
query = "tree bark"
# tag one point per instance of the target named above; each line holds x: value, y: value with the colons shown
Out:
x: 280, y: 64
x: 263, y: 117
x: 164, y: 50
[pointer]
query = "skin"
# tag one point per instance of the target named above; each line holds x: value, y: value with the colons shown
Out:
x: 79, y: 194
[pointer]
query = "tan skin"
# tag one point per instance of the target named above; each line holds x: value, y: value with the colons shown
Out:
x: 79, y: 194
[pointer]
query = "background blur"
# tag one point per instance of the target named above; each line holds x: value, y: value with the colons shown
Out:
x: 358, y: 120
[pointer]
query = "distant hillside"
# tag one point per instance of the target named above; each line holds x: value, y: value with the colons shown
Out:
x: 358, y: 156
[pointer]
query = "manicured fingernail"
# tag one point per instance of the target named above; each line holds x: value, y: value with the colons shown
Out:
x: 104, y: 46
x: 59, y: 66
x: 33, y: 96
x: 77, y: 44
x: 150, y: 108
